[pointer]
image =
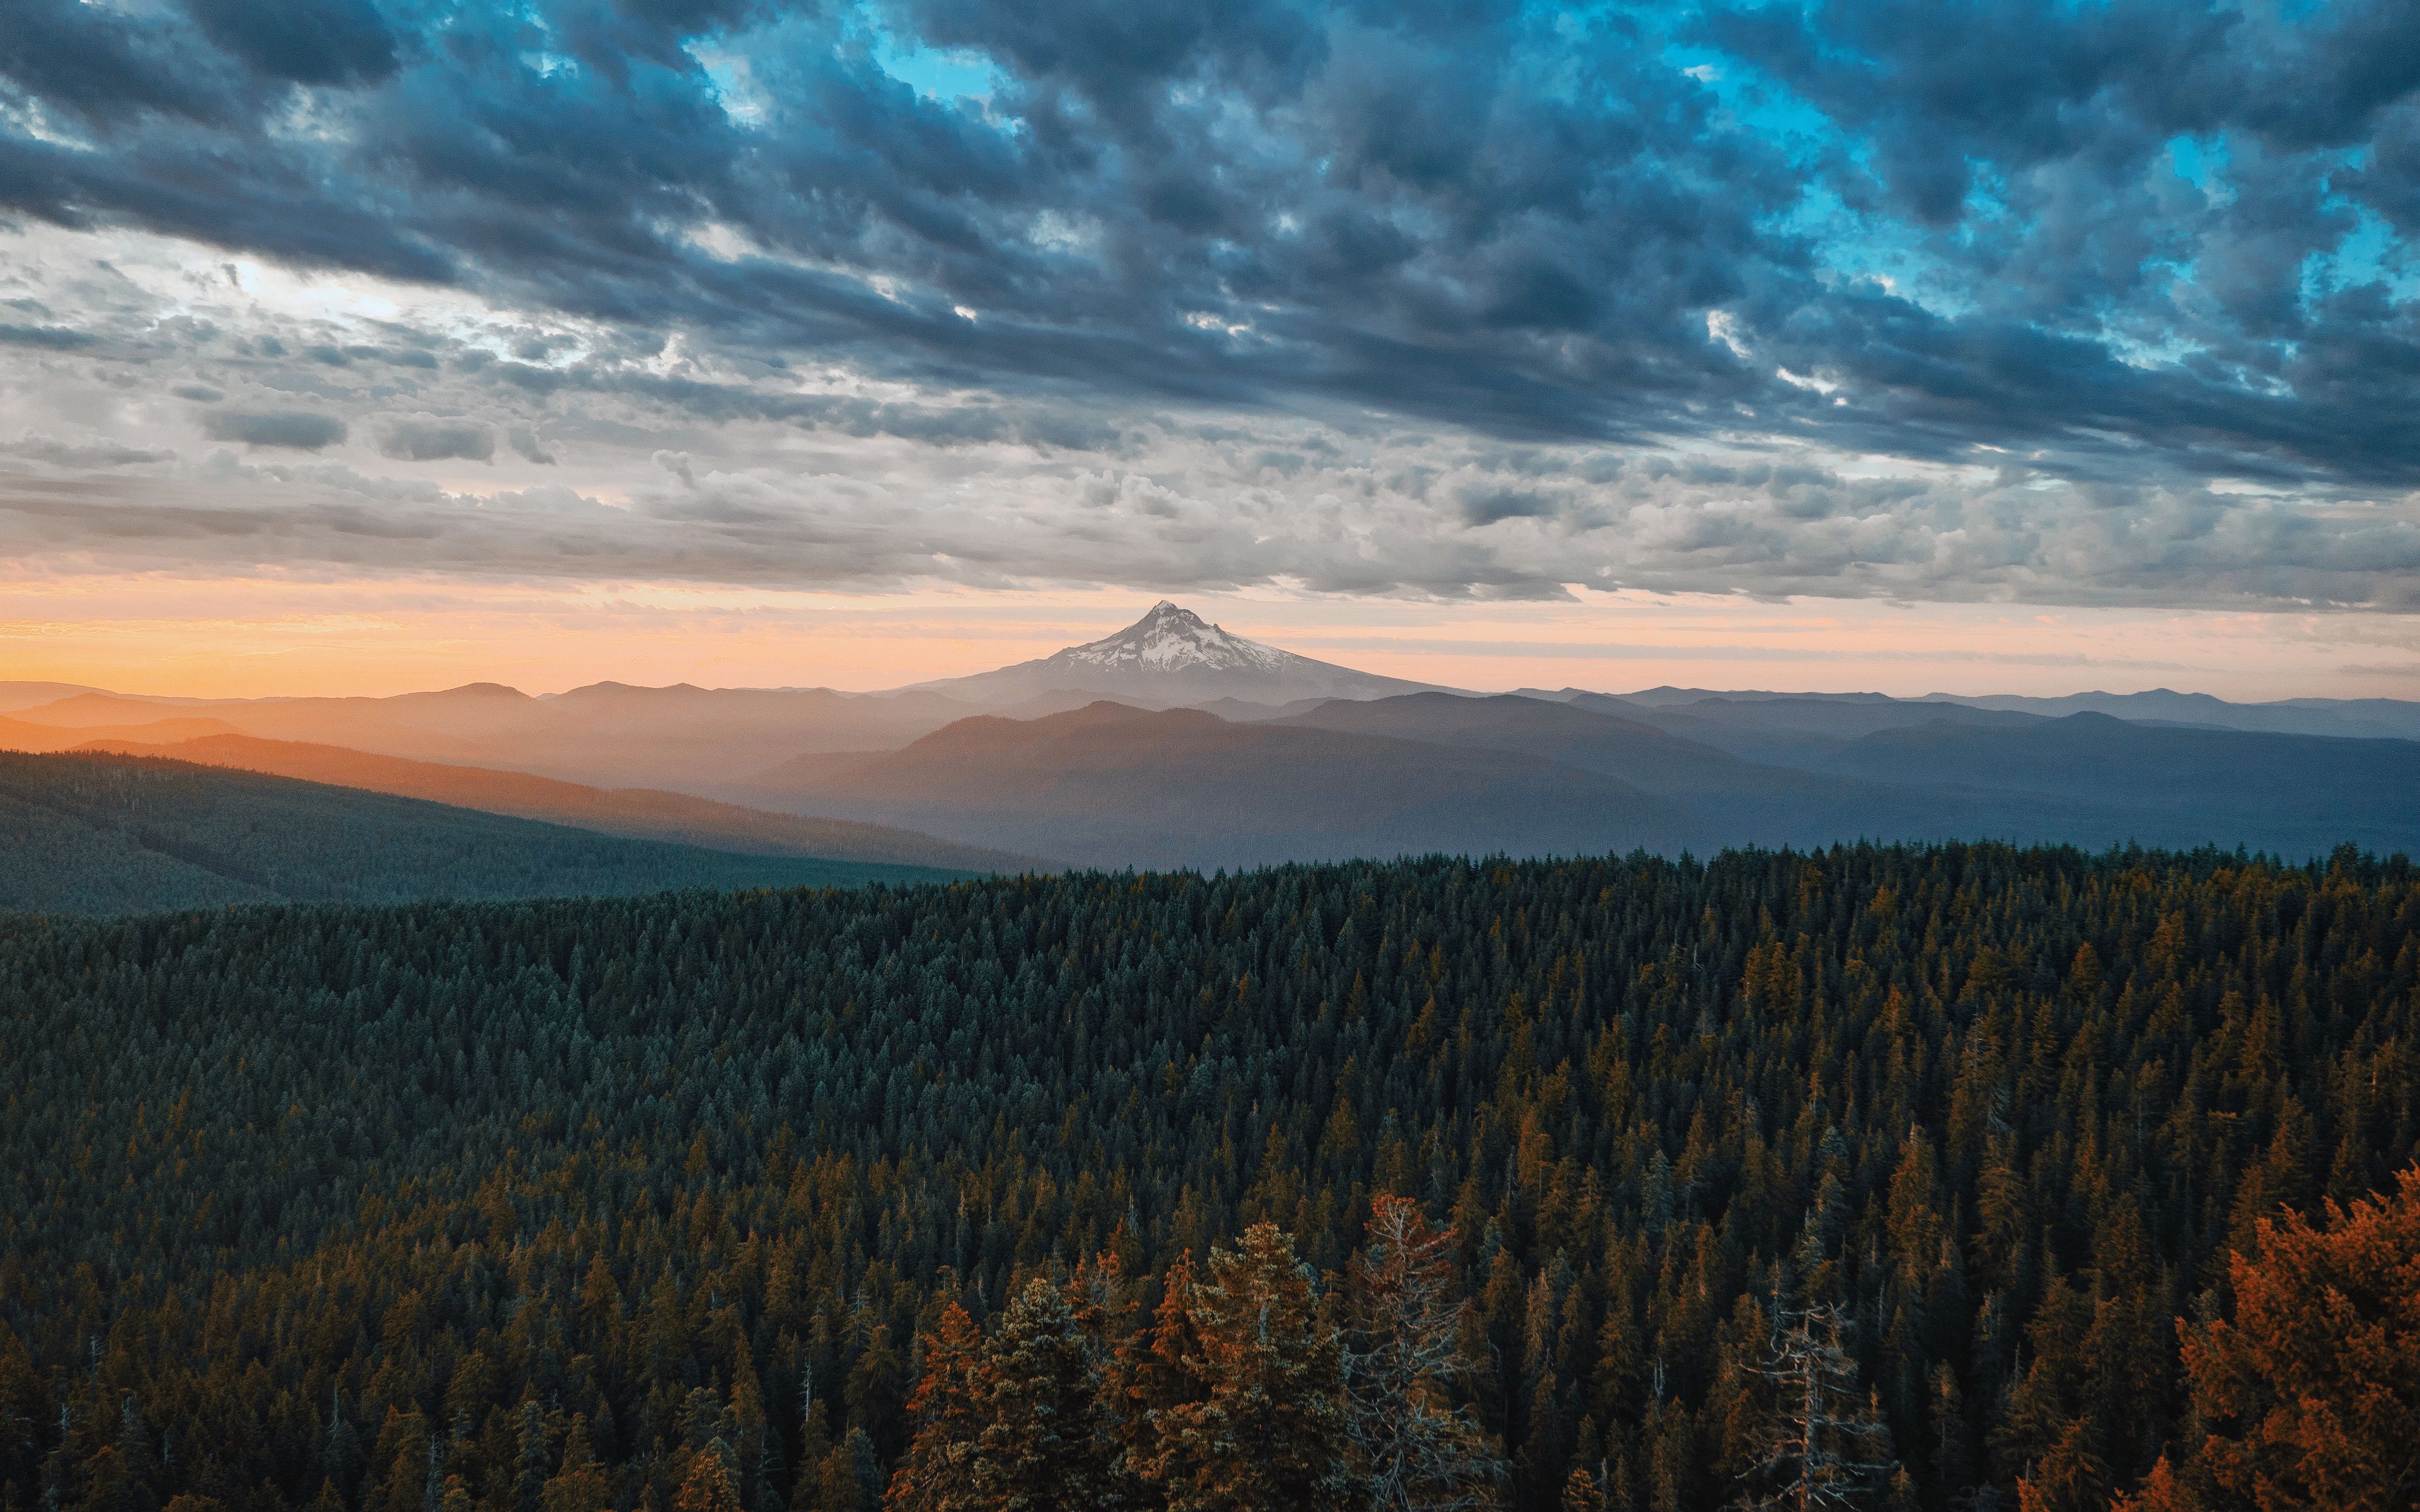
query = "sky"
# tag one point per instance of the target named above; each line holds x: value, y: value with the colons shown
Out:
x: 1990, y: 346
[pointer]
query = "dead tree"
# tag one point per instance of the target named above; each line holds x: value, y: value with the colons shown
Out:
x: 1827, y: 1447
x: 1417, y: 1451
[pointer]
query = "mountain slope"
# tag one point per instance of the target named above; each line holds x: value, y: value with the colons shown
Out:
x: 1113, y: 785
x: 100, y: 834
x: 28, y: 695
x: 1636, y: 752
x: 2372, y: 718
x: 1783, y: 731
x: 1171, y: 656
x: 636, y: 812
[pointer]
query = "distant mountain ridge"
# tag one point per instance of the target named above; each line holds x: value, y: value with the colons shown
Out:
x: 1259, y: 754
x: 1115, y: 785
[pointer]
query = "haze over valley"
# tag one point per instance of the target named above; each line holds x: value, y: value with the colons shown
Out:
x: 1176, y: 743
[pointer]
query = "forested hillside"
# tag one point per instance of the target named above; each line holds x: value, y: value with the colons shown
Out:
x: 740, y: 1202
x: 96, y: 834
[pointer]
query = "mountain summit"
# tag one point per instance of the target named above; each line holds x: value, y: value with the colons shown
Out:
x: 1173, y: 656
x: 1173, y: 638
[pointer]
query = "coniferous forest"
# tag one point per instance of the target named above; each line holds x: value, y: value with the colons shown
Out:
x: 1943, y: 1178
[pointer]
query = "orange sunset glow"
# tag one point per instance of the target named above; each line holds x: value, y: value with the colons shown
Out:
x: 253, y: 639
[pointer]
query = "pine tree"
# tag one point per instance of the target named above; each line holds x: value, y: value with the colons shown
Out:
x: 1047, y: 1442
x: 1580, y: 1493
x: 578, y: 1484
x: 710, y: 1485
x: 1152, y: 1377
x: 2312, y: 1390
x: 815, y: 1448
x: 850, y: 1478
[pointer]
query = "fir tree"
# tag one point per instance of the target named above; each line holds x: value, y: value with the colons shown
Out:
x: 949, y: 1408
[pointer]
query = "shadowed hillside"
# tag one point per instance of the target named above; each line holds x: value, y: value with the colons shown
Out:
x: 1117, y: 786
x: 98, y: 834
x: 639, y: 813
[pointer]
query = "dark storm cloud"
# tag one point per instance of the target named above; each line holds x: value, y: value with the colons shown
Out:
x: 303, y: 41
x: 2135, y: 247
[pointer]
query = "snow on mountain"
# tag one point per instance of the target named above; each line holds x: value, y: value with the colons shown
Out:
x: 1168, y: 639
x: 1173, y: 656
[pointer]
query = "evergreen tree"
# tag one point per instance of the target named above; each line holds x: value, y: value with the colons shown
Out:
x: 1580, y: 1493
x: 579, y: 1483
x: 2311, y: 1391
x: 1269, y: 1429
x: 1048, y: 1443
x: 711, y: 1486
x: 950, y: 1406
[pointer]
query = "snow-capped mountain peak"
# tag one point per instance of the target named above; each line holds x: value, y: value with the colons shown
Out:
x: 1170, y: 639
x: 1173, y: 656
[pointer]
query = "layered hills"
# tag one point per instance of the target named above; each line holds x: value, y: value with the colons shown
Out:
x: 1176, y: 742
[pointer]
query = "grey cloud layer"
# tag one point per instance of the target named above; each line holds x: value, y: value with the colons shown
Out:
x: 618, y: 468
x: 1437, y: 298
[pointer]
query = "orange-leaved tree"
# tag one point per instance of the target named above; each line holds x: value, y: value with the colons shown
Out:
x: 2310, y: 1393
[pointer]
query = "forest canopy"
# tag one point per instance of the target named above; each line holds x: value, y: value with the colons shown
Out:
x: 753, y: 1202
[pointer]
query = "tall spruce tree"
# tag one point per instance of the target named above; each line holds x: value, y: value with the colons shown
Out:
x: 949, y: 1408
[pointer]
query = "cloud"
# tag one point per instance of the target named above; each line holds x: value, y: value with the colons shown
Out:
x: 301, y: 41
x: 525, y: 441
x: 55, y: 338
x: 68, y: 454
x: 296, y: 428
x: 2010, y: 298
x: 425, y: 439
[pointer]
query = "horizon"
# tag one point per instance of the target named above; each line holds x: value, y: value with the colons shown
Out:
x: 1411, y: 663
x: 877, y: 645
